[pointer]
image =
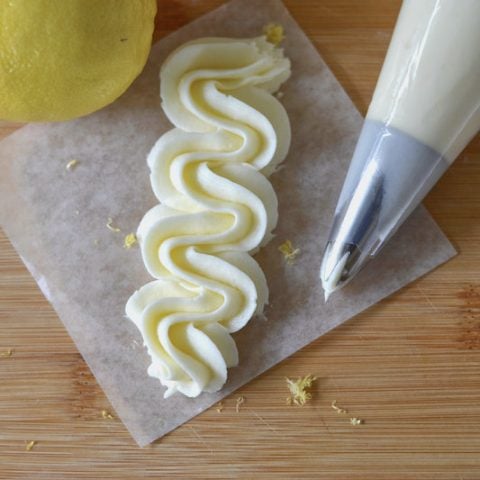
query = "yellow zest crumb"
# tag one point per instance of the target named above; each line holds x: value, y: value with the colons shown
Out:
x: 240, y: 400
x: 106, y: 415
x: 111, y: 227
x: 7, y: 353
x: 299, y: 394
x: 219, y: 407
x: 130, y: 240
x: 356, y: 421
x: 274, y: 33
x: 95, y: 242
x: 30, y: 445
x: 288, y: 251
x: 338, y: 409
x: 71, y: 164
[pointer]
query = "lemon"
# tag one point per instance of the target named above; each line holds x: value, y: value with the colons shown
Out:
x: 61, y: 59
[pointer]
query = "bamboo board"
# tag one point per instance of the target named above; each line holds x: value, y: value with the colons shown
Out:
x: 409, y: 367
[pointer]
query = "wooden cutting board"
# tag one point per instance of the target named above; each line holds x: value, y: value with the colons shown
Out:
x: 409, y: 367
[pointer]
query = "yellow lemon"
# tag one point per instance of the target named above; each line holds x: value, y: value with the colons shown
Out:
x: 61, y: 59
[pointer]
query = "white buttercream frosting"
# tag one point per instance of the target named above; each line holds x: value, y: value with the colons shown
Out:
x: 216, y: 207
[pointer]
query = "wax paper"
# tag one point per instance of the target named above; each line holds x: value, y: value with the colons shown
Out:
x: 56, y: 219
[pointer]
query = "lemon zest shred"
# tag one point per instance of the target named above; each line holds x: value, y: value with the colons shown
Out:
x: 71, y: 164
x: 106, y: 415
x: 30, y: 445
x: 240, y: 401
x: 356, y: 421
x: 219, y: 407
x: 274, y: 33
x: 130, y: 240
x: 299, y: 389
x: 288, y: 251
x: 111, y: 227
x: 7, y: 353
x: 338, y: 409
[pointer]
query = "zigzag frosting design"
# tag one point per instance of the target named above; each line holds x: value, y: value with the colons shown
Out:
x: 217, y: 207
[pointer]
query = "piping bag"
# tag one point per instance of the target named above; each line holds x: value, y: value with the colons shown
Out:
x: 424, y: 111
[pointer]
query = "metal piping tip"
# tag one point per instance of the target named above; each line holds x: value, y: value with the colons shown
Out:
x: 326, y: 294
x: 332, y: 272
x: 353, y: 235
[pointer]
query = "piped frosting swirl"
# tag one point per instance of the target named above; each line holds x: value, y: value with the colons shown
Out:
x: 217, y: 207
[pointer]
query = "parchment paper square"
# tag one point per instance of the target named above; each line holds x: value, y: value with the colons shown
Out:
x: 56, y: 220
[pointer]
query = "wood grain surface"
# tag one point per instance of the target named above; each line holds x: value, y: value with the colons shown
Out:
x: 409, y: 367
